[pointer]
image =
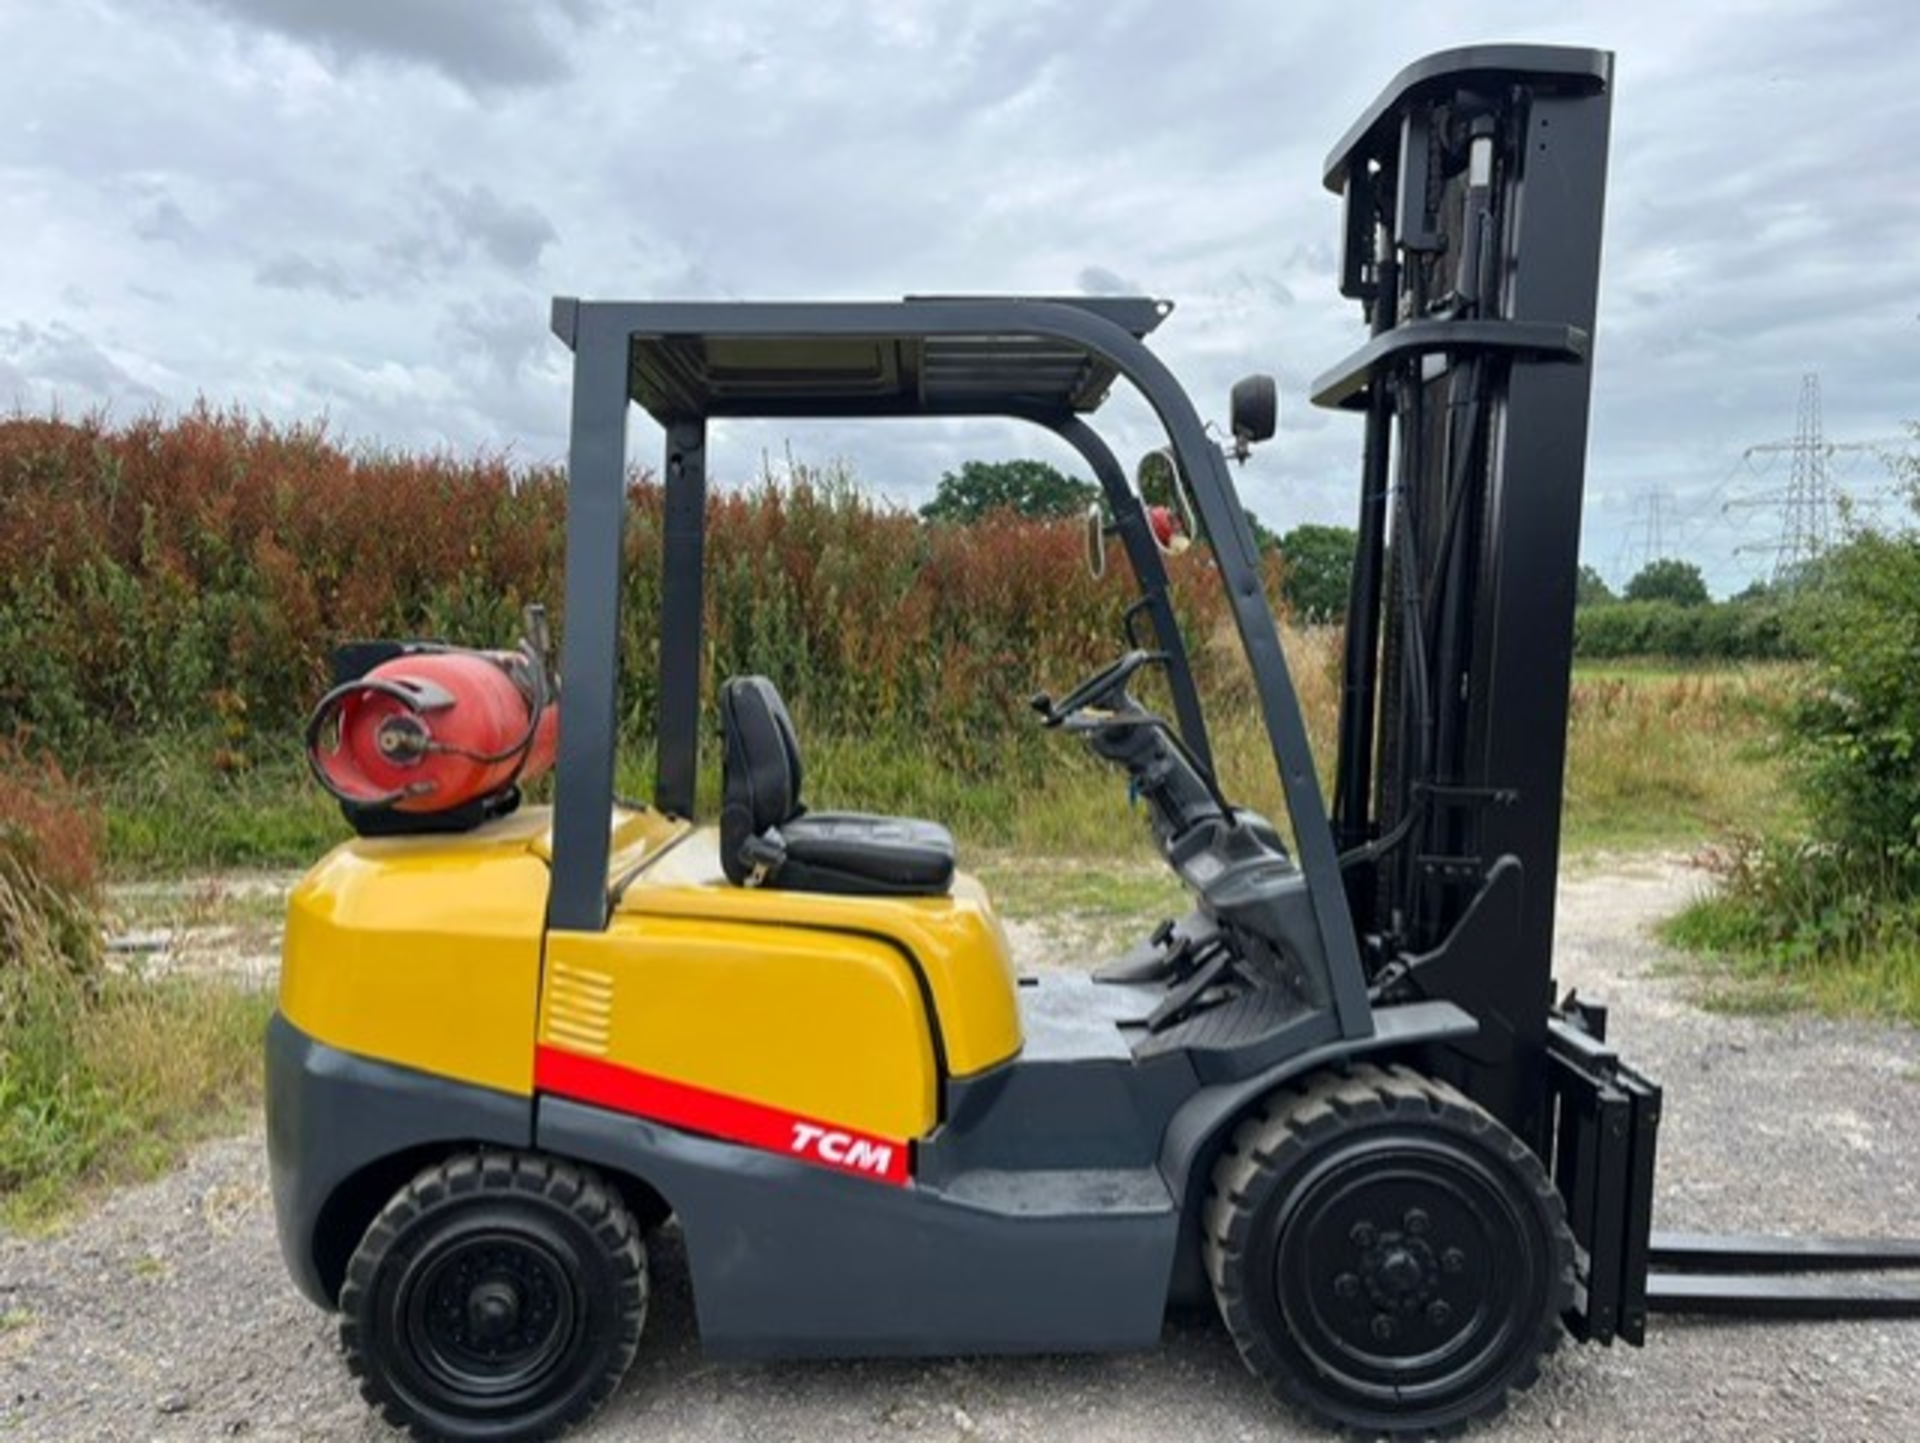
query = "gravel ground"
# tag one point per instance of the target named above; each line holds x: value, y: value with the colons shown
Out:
x: 166, y: 1314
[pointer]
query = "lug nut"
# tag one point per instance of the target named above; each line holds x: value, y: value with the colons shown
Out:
x: 1384, y: 1327
x: 1438, y: 1313
x: 1416, y: 1221
x: 1347, y: 1285
x: 1363, y: 1235
x: 1453, y: 1260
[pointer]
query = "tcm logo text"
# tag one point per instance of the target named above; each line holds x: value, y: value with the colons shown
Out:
x: 845, y: 1151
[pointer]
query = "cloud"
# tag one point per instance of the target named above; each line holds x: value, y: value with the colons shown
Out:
x: 59, y: 365
x: 456, y: 224
x: 510, y: 233
x: 292, y: 271
x: 482, y: 46
x: 165, y: 221
x: 503, y: 332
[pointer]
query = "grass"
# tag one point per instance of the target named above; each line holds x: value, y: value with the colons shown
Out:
x: 1772, y: 939
x: 169, y: 810
x: 1659, y: 756
x: 106, y: 1075
x: 1881, y: 981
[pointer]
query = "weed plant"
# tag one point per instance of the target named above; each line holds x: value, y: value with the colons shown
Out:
x: 104, y: 1076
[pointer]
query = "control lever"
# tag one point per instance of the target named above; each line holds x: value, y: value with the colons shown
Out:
x: 1163, y: 956
x: 1215, y: 965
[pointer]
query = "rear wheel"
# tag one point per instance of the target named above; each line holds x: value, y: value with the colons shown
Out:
x: 1386, y: 1255
x: 497, y: 1296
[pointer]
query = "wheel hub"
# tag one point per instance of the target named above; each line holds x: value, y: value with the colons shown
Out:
x: 1399, y: 1271
x: 491, y: 1314
x: 493, y: 1310
x: 1400, y: 1290
x: 1391, y: 1269
x: 494, y: 1302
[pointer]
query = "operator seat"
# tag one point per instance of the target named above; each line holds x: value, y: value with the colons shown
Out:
x: 769, y: 839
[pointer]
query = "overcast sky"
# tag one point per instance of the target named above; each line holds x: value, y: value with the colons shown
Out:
x: 359, y: 209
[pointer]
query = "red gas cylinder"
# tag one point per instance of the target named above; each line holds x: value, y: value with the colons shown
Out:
x: 434, y: 729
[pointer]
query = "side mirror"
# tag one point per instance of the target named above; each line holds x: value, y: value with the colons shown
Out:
x: 1255, y: 410
x: 1096, y: 541
x: 1163, y: 491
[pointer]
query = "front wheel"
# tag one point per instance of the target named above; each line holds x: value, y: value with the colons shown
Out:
x: 498, y: 1296
x: 1387, y: 1257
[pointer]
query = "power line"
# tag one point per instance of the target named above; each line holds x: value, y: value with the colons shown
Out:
x: 1807, y: 505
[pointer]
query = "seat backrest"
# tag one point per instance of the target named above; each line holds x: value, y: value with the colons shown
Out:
x: 760, y: 768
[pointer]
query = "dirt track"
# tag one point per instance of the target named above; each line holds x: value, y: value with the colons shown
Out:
x: 166, y: 1314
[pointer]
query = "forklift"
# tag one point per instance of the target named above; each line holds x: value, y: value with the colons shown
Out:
x: 1337, y: 1096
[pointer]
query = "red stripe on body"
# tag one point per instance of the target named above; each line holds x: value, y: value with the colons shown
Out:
x: 732, y: 1119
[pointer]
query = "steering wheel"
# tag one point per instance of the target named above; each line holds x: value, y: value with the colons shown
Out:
x: 1106, y: 688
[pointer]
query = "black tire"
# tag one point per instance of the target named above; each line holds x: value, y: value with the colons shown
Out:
x: 498, y: 1296
x: 1388, y: 1258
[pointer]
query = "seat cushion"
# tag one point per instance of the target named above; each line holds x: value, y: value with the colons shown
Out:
x: 854, y: 853
x: 760, y: 768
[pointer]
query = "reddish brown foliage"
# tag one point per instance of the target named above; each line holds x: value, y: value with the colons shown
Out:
x: 199, y: 570
x: 47, y: 825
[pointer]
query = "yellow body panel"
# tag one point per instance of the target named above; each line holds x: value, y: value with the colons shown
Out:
x: 822, y: 1025
x: 423, y: 951
x: 957, y: 941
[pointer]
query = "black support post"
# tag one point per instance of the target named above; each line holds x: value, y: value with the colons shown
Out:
x: 681, y: 604
x: 590, y: 651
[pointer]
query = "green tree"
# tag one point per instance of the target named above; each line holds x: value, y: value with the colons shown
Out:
x: 1318, y: 572
x: 1031, y: 488
x: 1592, y: 589
x: 1856, y: 730
x: 1669, y: 579
x: 1262, y: 537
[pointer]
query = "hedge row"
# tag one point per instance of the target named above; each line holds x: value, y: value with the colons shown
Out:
x: 197, y: 572
x: 1716, y: 631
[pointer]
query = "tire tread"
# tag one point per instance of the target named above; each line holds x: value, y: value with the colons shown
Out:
x: 1293, y: 1121
x: 573, y: 1188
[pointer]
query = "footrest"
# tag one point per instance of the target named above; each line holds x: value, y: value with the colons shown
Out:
x: 1068, y: 1192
